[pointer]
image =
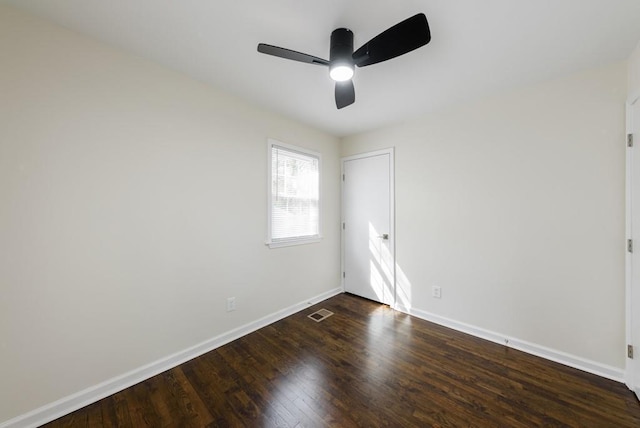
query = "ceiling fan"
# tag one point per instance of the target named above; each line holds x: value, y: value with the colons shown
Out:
x: 403, y: 37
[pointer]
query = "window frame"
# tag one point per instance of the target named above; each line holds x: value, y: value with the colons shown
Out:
x: 297, y: 240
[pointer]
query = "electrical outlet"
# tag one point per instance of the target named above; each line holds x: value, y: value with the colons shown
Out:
x: 231, y: 304
x: 436, y: 292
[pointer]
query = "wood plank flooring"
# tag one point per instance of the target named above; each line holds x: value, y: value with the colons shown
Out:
x: 365, y: 366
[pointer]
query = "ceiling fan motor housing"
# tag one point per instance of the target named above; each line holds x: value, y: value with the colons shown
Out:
x: 341, y: 49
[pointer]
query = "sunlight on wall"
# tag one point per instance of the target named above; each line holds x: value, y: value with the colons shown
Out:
x: 403, y: 291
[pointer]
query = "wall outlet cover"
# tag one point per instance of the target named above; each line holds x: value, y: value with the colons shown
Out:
x: 436, y: 292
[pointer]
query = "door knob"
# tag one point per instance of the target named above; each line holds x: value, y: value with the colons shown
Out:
x: 384, y: 236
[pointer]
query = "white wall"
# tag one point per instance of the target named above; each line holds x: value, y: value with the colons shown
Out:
x: 633, y: 78
x: 515, y: 207
x: 132, y: 204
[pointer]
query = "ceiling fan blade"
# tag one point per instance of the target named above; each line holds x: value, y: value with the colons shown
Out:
x: 404, y: 37
x: 289, y: 54
x: 345, y: 94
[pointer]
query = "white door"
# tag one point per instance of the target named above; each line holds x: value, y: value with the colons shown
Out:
x: 633, y: 256
x: 368, y: 235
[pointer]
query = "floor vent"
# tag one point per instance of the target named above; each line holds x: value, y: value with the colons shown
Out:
x: 320, y: 315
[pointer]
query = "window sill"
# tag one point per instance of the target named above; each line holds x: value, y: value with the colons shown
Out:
x: 292, y: 242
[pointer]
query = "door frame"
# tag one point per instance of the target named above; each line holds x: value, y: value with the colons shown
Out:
x: 630, y: 376
x: 392, y: 213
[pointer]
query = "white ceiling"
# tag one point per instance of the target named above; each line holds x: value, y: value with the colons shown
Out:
x: 477, y: 47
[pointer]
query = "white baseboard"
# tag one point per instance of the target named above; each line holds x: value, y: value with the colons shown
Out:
x: 603, y: 370
x: 90, y: 395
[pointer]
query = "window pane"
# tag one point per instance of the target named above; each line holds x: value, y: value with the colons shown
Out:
x: 295, y: 191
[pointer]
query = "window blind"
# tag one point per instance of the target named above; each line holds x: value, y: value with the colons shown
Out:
x: 295, y: 195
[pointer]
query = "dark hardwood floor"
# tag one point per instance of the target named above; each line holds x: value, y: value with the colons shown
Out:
x: 366, y: 366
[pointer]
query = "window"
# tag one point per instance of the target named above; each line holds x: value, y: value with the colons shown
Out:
x: 294, y: 195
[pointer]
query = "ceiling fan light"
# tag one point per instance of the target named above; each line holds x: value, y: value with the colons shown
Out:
x: 341, y: 73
